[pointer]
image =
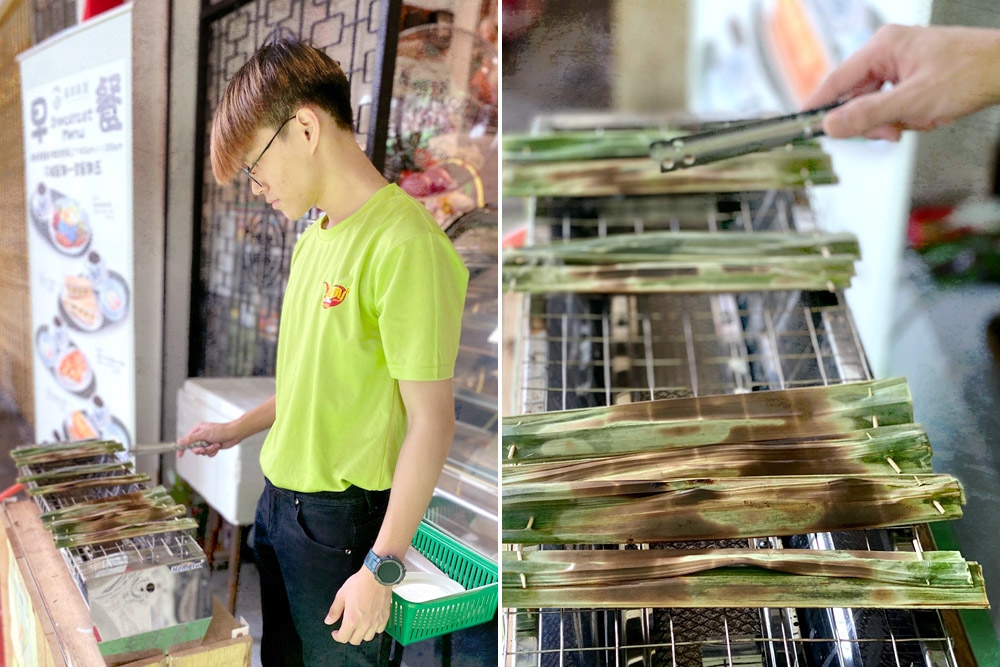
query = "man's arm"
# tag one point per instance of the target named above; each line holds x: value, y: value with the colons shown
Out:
x: 430, y: 414
x: 224, y: 436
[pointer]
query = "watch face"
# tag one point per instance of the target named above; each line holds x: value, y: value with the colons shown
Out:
x: 389, y: 572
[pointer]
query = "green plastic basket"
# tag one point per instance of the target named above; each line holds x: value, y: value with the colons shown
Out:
x: 411, y: 622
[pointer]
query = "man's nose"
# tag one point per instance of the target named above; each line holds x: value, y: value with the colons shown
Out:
x: 256, y: 188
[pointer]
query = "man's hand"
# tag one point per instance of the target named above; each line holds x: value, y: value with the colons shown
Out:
x: 218, y: 436
x: 364, y: 605
x: 939, y: 74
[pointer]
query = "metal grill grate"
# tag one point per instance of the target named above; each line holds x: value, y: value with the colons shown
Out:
x: 579, y: 351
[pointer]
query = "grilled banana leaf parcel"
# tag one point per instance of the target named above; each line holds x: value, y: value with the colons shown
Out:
x: 798, y: 578
x: 74, y: 471
x: 684, y: 262
x: 90, y: 483
x: 608, y: 163
x: 805, y: 414
x: 711, y: 509
x: 875, y: 451
x: 69, y: 451
x: 125, y: 532
x: 642, y: 176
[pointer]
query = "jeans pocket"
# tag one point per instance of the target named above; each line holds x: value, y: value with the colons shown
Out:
x: 331, y: 528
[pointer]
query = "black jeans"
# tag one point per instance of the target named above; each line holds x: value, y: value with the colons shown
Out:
x: 306, y: 546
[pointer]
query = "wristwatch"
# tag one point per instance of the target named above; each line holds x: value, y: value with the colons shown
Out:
x: 388, y: 570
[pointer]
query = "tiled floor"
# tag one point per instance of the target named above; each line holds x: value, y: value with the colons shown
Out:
x: 940, y: 346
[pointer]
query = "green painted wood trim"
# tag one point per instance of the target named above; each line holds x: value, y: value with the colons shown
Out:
x: 977, y: 622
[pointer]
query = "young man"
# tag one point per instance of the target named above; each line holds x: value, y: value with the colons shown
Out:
x: 369, y: 335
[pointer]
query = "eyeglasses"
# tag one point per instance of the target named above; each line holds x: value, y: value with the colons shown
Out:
x: 249, y: 170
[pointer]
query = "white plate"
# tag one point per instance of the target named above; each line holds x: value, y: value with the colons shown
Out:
x: 82, y: 227
x: 423, y: 586
x: 67, y: 382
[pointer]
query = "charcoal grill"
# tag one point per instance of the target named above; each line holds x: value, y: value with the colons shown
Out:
x: 143, y: 592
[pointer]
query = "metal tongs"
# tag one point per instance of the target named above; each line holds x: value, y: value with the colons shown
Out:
x: 164, y: 447
x: 738, y: 138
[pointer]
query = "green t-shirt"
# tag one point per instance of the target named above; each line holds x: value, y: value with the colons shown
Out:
x: 375, y: 299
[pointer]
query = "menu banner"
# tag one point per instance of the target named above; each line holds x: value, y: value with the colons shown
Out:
x: 78, y: 173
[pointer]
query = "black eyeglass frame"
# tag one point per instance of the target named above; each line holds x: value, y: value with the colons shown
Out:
x: 249, y: 170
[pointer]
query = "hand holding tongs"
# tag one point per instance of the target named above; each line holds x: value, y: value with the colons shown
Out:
x: 741, y: 138
x: 164, y: 447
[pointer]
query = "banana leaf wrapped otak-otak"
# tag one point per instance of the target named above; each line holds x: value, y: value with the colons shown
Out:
x: 711, y: 509
x: 125, y: 532
x: 91, y: 507
x: 74, y: 471
x: 608, y: 142
x: 684, y: 261
x: 94, y: 482
x: 810, y: 413
x: 124, y: 505
x: 729, y: 275
x: 757, y: 578
x: 68, y: 451
x: 687, y: 247
x: 883, y: 450
x: 641, y: 176
x: 583, y: 144
x: 125, y: 517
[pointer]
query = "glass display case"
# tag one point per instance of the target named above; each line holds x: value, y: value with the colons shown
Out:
x: 466, y: 500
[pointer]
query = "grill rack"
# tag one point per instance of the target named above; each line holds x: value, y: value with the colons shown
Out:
x: 587, y: 350
x: 132, y: 553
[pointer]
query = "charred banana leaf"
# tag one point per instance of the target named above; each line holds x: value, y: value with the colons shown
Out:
x: 115, y: 534
x: 806, y: 414
x: 94, y: 482
x: 585, y: 144
x: 757, y: 578
x: 71, y: 472
x: 803, y: 165
x: 68, y: 451
x: 876, y: 451
x: 684, y: 261
x: 154, y: 496
x: 711, y: 509
x: 124, y: 517
x: 686, y: 246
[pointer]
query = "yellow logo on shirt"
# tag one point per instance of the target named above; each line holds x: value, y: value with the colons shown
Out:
x: 333, y: 295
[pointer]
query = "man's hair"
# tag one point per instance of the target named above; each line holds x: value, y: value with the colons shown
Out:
x: 279, y: 78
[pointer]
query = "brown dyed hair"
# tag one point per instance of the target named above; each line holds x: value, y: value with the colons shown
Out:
x: 279, y: 78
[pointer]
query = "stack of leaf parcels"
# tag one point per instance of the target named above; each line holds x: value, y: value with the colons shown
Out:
x: 92, y: 466
x: 684, y: 262
x: 771, y: 463
x: 603, y: 163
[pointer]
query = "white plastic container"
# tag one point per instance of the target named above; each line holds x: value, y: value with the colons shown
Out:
x: 231, y: 481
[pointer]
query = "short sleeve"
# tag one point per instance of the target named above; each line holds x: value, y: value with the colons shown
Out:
x: 420, y: 294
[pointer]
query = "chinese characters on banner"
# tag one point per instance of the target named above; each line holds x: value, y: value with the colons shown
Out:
x: 78, y: 166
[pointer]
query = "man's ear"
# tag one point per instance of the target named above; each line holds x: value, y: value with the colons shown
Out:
x: 308, y: 123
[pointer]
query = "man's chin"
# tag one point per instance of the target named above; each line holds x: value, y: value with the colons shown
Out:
x: 290, y: 214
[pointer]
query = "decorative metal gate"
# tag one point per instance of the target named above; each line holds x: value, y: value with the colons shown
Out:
x: 245, y: 247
